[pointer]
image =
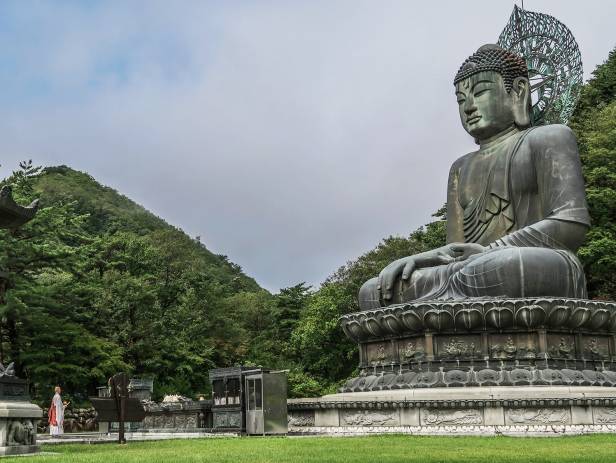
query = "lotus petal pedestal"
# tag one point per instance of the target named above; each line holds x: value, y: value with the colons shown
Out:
x: 486, y: 342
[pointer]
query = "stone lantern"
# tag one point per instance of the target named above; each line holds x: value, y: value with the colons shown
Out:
x: 18, y: 416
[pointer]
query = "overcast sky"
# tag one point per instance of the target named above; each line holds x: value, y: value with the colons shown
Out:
x: 291, y: 136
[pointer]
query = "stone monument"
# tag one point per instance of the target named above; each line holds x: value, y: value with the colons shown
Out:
x: 494, y: 328
x: 18, y: 417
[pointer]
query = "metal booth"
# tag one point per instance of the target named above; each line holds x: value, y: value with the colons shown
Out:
x: 266, y: 402
x: 249, y: 400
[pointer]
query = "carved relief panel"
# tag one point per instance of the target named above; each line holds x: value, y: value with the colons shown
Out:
x: 458, y: 347
x: 221, y: 420
x: 192, y: 421
x: 596, y: 347
x: 168, y: 421
x: 235, y: 420
x: 604, y: 415
x: 514, y: 346
x: 301, y: 418
x: 370, y: 418
x: 379, y: 353
x: 411, y: 349
x: 443, y: 417
x: 13, y: 390
x: 537, y: 416
x: 180, y: 421
x: 21, y: 432
x: 561, y: 346
x: 157, y: 421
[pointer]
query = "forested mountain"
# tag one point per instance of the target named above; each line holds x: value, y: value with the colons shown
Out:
x: 97, y: 284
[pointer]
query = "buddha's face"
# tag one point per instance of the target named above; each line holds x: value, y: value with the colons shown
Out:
x: 486, y: 108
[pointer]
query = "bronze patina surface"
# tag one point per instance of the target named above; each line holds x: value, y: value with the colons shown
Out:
x: 516, y: 207
x: 504, y: 302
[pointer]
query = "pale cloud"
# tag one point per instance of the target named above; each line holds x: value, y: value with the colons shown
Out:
x: 291, y: 136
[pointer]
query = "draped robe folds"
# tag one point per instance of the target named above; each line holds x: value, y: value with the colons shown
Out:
x: 519, y: 196
x: 56, y: 416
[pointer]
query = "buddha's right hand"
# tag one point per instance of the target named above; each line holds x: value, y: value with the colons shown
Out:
x: 403, y: 268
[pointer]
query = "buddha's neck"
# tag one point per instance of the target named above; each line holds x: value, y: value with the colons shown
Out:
x: 499, y: 137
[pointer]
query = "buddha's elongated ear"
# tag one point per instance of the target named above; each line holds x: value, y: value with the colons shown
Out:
x: 520, y: 92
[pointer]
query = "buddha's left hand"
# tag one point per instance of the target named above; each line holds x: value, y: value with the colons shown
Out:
x: 403, y: 268
x: 462, y: 251
x: 452, y: 252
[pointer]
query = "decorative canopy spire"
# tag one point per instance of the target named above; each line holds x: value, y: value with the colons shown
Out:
x: 553, y: 60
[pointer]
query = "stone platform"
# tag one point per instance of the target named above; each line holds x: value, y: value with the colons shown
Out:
x: 131, y: 436
x: 519, y: 410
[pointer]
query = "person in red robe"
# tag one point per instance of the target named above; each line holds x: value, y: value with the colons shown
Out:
x: 55, y: 414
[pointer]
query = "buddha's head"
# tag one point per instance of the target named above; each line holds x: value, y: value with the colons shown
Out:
x: 493, y: 92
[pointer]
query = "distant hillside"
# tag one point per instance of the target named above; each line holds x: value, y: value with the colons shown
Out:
x: 108, y: 209
x: 109, y: 212
x: 97, y: 284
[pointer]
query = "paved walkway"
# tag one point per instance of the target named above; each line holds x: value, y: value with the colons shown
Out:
x: 100, y: 437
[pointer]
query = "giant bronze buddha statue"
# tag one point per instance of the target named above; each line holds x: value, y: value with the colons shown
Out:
x: 516, y: 207
x: 504, y: 302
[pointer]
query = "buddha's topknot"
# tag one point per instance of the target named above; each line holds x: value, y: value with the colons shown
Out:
x: 494, y: 58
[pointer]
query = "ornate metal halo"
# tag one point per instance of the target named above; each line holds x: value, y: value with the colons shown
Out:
x: 553, y: 59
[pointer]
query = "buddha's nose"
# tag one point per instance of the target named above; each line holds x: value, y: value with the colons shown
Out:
x: 469, y: 106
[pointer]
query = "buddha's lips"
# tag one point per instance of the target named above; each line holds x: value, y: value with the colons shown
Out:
x: 472, y: 120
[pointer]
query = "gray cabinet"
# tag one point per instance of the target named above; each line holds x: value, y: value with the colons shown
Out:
x: 266, y: 403
x: 227, y: 398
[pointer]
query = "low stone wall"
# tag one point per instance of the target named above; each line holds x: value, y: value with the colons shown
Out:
x: 186, y: 414
x: 75, y: 420
x: 497, y: 410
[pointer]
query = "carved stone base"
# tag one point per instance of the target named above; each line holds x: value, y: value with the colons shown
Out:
x: 484, y: 342
x: 19, y: 450
x: 18, y: 422
x: 478, y: 410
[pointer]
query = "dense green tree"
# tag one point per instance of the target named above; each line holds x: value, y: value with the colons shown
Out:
x: 96, y: 284
x: 38, y: 330
x: 322, y: 350
x: 594, y: 123
x: 289, y: 305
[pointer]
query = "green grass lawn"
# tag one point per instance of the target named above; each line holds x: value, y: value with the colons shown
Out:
x: 386, y: 449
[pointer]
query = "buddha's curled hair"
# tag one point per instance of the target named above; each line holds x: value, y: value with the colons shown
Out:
x: 494, y: 58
